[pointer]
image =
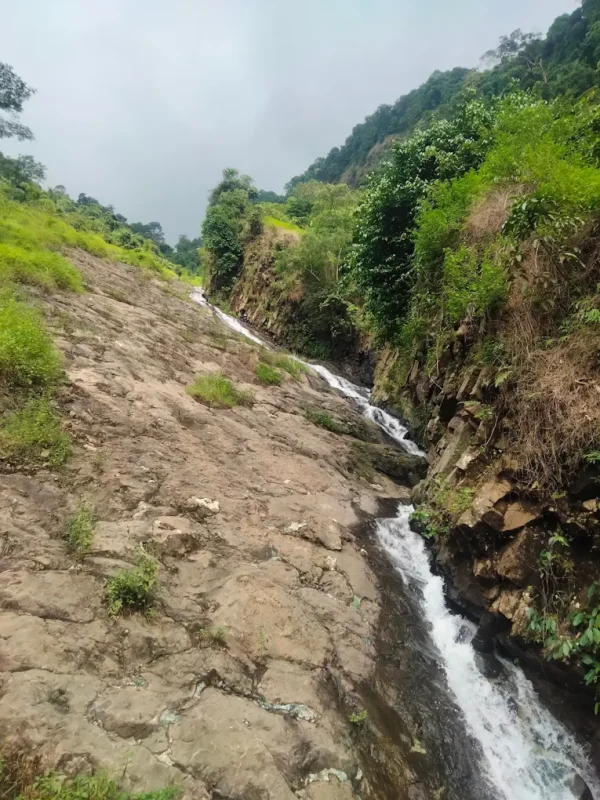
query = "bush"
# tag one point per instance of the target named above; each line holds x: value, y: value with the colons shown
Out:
x: 133, y: 589
x: 33, y: 435
x: 28, y: 358
x: 217, y: 391
x: 267, y: 375
x: 80, y: 529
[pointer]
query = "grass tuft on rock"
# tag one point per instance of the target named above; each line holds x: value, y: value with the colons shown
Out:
x: 283, y: 361
x: 20, y: 780
x: 33, y: 435
x: 217, y: 391
x: 80, y: 529
x: 133, y: 589
x: 269, y: 376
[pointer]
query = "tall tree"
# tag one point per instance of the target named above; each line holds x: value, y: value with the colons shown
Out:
x: 13, y: 93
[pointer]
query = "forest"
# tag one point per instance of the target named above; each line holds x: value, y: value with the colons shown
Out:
x: 562, y: 63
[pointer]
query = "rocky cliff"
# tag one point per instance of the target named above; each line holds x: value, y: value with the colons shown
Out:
x: 515, y: 551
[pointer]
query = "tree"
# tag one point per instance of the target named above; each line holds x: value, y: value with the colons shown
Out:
x: 21, y: 170
x: 510, y: 47
x: 230, y: 206
x: 13, y: 93
x: 150, y: 230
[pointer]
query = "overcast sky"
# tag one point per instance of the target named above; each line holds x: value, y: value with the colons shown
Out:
x: 141, y: 103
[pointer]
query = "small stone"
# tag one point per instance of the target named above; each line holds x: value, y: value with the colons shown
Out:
x: 294, y: 527
x: 212, y: 506
x: 330, y: 563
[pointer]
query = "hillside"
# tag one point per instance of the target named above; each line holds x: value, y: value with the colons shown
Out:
x: 563, y: 62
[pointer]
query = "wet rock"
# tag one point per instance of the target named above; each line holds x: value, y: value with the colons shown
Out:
x: 490, y: 625
x: 397, y: 464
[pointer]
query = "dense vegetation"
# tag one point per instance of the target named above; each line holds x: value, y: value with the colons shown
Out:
x: 562, y: 63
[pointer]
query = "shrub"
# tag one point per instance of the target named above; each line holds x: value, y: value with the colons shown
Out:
x: 133, y: 589
x: 267, y: 375
x: 80, y: 529
x: 33, y: 435
x: 217, y: 391
x: 359, y: 718
x: 28, y: 358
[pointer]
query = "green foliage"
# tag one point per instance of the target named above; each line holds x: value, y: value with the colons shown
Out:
x: 28, y: 358
x: 564, y: 63
x: 133, y: 589
x: 80, y: 529
x: 33, y: 435
x: 217, y: 391
x: 230, y: 208
x: 381, y: 260
x: 267, y: 375
x: 473, y: 284
x: 445, y: 503
x: 16, y: 785
x: 213, y: 637
x: 324, y: 420
x: 292, y: 366
x: 37, y: 268
x: 358, y: 718
x: 14, y: 92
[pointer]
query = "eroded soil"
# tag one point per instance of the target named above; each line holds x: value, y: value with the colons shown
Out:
x: 241, y: 681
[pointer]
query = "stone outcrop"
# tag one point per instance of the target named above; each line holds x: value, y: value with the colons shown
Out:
x: 240, y: 681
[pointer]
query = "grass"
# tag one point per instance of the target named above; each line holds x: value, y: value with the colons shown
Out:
x: 20, y: 780
x: 37, y: 267
x: 285, y: 362
x: 267, y: 375
x: 217, y: 391
x: 273, y: 222
x: 213, y: 637
x: 33, y: 435
x: 80, y: 529
x: 133, y: 589
x: 28, y: 358
x: 324, y: 420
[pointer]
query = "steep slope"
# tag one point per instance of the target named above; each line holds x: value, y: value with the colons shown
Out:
x: 564, y: 62
x: 240, y: 681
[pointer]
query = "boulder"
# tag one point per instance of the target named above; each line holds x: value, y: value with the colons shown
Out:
x: 518, y: 561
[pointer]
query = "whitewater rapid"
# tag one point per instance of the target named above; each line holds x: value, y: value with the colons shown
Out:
x: 526, y: 754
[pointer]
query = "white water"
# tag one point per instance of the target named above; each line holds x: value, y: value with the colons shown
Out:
x: 394, y: 429
x: 527, y: 753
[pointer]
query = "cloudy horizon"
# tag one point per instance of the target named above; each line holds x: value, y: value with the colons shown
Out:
x: 142, y: 104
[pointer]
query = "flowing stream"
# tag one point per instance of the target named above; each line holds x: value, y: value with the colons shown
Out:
x: 524, y: 752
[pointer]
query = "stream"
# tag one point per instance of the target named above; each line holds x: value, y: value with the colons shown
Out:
x: 521, y: 752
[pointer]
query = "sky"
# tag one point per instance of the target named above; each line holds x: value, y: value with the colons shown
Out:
x: 142, y: 103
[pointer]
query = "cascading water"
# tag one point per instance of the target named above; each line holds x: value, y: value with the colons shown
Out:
x: 526, y: 754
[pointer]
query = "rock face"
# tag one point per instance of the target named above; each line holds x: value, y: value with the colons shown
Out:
x: 494, y: 530
x: 239, y: 683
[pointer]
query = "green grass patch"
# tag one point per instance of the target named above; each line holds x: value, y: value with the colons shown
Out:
x: 19, y: 781
x: 217, y: 391
x: 37, y: 268
x: 28, y: 358
x: 33, y: 435
x: 267, y: 375
x: 133, y: 589
x: 80, y: 529
x: 283, y: 361
x: 282, y: 224
x: 324, y: 420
